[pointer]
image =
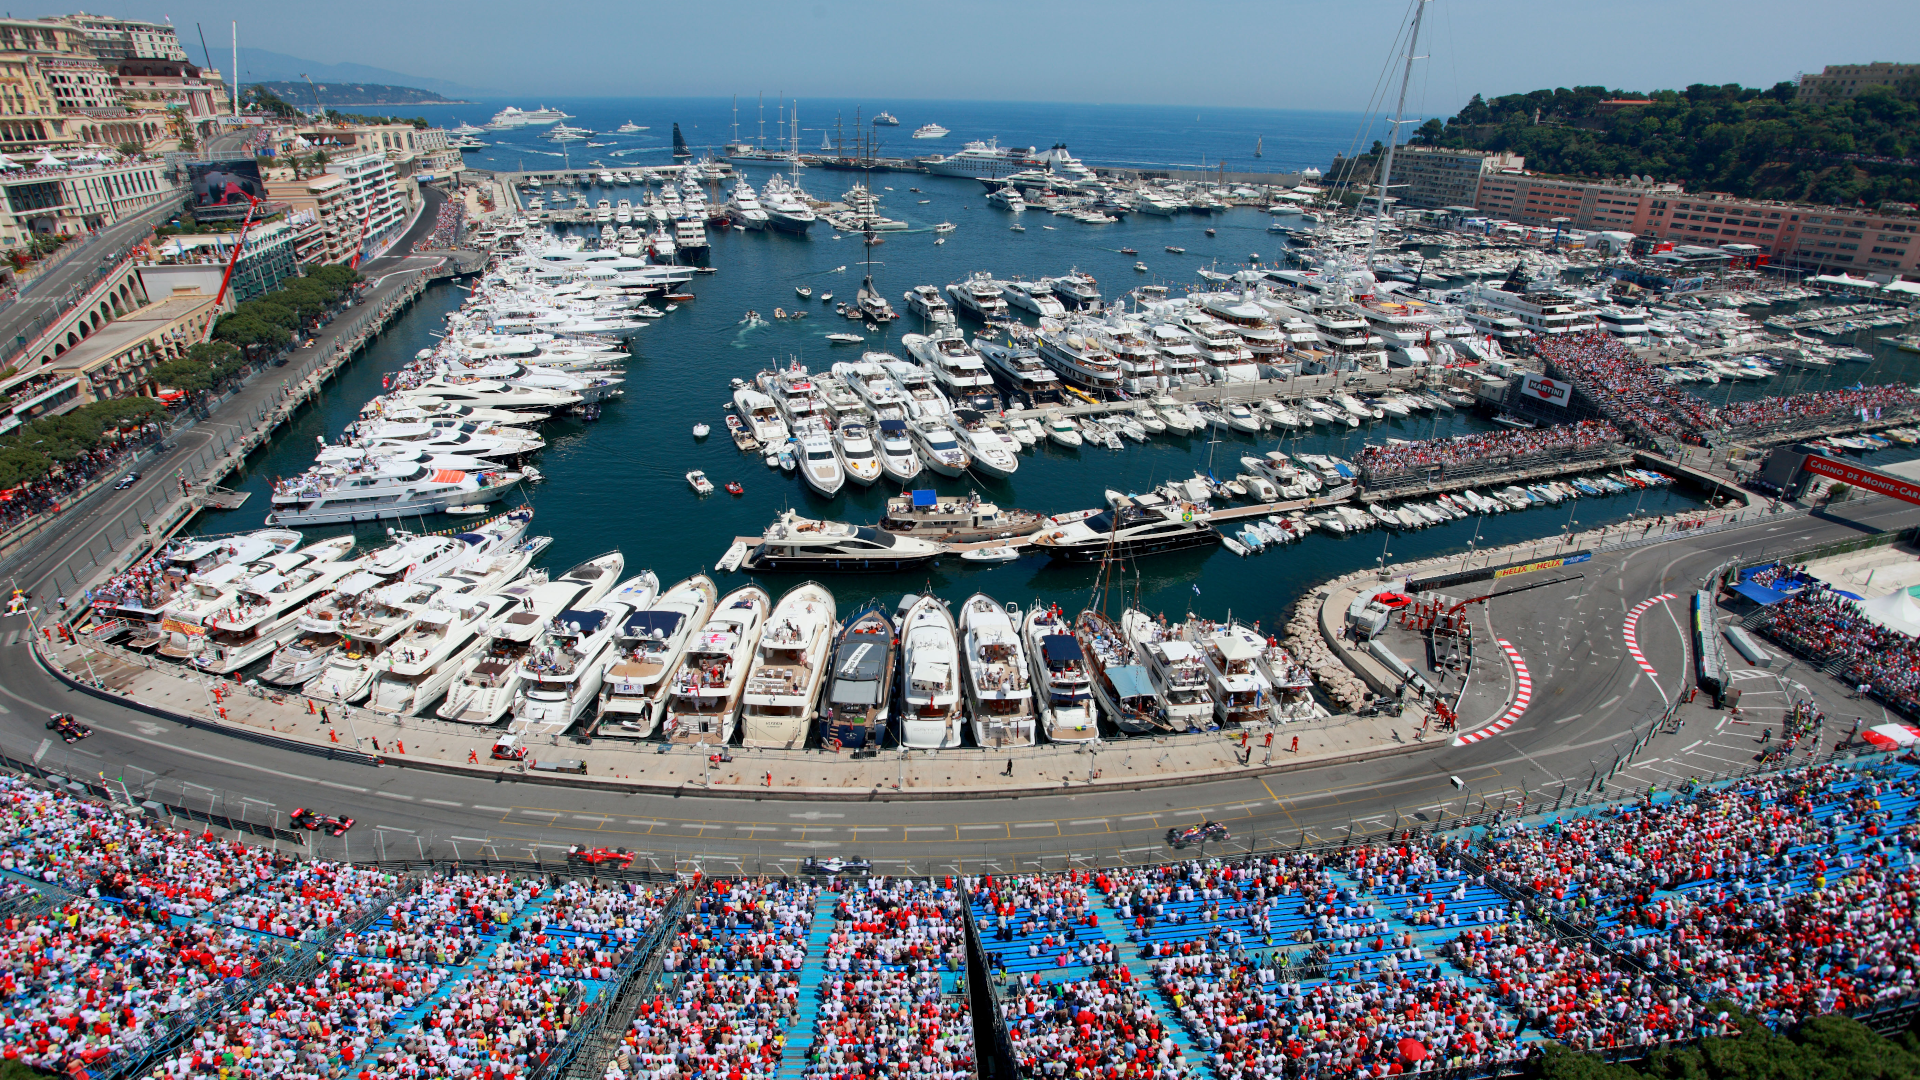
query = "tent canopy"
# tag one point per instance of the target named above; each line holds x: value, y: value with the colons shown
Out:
x: 1896, y: 611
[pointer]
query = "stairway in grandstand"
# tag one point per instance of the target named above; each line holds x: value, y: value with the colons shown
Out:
x: 793, y: 1055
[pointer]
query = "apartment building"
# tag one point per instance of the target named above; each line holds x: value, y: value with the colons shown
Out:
x: 1838, y: 82
x: 1620, y: 205
x: 198, y: 261
x: 377, y: 205
x: 325, y: 228
x: 114, y: 40
x: 78, y: 199
x: 1826, y: 239
x: 30, y: 116
x: 1430, y: 178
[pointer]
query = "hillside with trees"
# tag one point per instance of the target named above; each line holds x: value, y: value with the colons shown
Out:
x: 1734, y: 139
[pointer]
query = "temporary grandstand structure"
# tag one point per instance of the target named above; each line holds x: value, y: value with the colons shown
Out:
x: 1896, y: 611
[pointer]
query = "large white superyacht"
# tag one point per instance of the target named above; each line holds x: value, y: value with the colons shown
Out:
x: 560, y: 675
x: 633, y: 693
x: 786, y: 207
x: 1175, y: 667
x: 705, y: 696
x: 998, y: 683
x: 1065, y: 698
x: 744, y: 207
x: 789, y: 669
x: 328, y: 496
x: 930, y: 677
x: 484, y: 688
x: 958, y: 369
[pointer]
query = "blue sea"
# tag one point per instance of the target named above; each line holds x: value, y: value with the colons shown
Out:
x: 619, y: 482
x: 1134, y: 136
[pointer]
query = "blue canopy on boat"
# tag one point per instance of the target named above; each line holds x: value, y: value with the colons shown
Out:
x: 658, y: 625
x: 587, y: 619
x: 1130, y: 680
x: 925, y: 497
x: 1060, y: 648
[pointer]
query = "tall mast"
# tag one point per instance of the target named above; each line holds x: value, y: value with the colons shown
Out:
x: 736, y: 119
x: 1393, y: 137
x: 760, y: 140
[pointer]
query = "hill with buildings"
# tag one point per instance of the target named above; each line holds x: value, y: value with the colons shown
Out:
x: 340, y: 95
x: 263, y: 65
x: 1778, y: 143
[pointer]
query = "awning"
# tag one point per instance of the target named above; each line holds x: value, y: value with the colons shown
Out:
x: 658, y: 625
x: 1234, y: 647
x: 1178, y: 651
x: 581, y: 620
x: 1060, y: 649
x: 448, y: 476
x: 922, y: 496
x: 1130, y: 681
x: 1891, y: 736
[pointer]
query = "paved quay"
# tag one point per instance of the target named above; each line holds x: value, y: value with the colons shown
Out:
x: 175, y: 692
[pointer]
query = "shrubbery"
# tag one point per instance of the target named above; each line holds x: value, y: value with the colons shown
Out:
x: 31, y: 450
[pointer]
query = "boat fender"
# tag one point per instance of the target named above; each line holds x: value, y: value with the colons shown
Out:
x: 833, y: 745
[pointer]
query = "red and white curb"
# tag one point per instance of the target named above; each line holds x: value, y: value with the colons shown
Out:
x: 1630, y: 631
x: 1522, y: 696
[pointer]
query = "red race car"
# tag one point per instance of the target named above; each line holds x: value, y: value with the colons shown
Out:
x: 311, y: 821
x: 600, y: 856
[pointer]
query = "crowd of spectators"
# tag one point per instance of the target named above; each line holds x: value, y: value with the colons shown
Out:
x: 1828, y: 628
x: 310, y: 901
x: 739, y: 954
x: 1815, y: 405
x: 49, y: 493
x: 1097, y: 1025
x: 884, y: 1007
x: 1780, y: 577
x: 449, y: 225
x: 1505, y: 446
x: 1629, y: 391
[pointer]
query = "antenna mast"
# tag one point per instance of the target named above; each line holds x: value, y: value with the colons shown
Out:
x: 1393, y: 137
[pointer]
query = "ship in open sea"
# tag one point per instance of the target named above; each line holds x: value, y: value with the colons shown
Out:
x: 885, y: 119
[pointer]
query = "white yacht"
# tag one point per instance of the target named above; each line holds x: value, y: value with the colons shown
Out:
x: 1007, y: 198
x: 979, y: 296
x: 954, y: 364
x: 1020, y: 367
x: 1079, y: 360
x: 423, y: 663
x: 331, y: 496
x: 939, y: 447
x: 994, y: 451
x: 926, y: 302
x: 185, y: 618
x: 819, y: 465
x: 1231, y: 653
x: 1034, y: 296
x: 367, y: 629
x: 786, y: 207
x: 898, y: 459
x: 1064, y: 691
x: 1179, y: 675
x: 560, y: 675
x: 853, y: 440
x: 922, y: 395
x: 789, y: 669
x: 744, y: 207
x: 261, y: 617
x: 706, y: 689
x: 487, y: 678
x: 930, y: 131
x: 929, y: 677
x: 761, y: 416
x: 647, y: 649
x: 998, y: 682
x: 872, y: 382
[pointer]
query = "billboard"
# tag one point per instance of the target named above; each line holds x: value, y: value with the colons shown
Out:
x: 1543, y: 564
x: 225, y: 183
x: 1552, y: 391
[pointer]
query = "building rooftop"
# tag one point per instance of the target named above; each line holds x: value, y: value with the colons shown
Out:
x: 130, y: 329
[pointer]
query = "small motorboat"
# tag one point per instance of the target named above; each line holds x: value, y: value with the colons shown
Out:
x: 469, y: 508
x: 699, y: 482
x: 706, y: 269
x: 1129, y: 251
x: 940, y: 241
x: 678, y: 297
x: 779, y: 313
x: 1140, y: 266
x: 1210, y: 232
x: 735, y: 487
x: 945, y: 227
x: 700, y: 431
x: 1016, y: 228
x: 1172, y: 250
x: 845, y: 339
x: 826, y: 297
x: 998, y: 553
x: 805, y: 292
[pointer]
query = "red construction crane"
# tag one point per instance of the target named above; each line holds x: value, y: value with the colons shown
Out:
x: 233, y: 258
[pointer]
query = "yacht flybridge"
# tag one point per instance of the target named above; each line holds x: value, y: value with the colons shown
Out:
x: 330, y: 496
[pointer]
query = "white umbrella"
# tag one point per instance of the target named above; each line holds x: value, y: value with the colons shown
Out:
x: 51, y: 162
x: 8, y: 163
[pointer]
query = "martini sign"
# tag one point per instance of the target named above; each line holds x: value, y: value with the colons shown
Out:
x: 1552, y: 391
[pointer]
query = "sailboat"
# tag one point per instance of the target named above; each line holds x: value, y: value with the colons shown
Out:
x: 680, y: 151
x: 1256, y: 145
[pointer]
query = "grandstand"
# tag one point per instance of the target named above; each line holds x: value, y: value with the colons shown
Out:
x: 131, y: 950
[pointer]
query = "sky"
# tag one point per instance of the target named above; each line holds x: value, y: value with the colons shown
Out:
x: 1290, y: 54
